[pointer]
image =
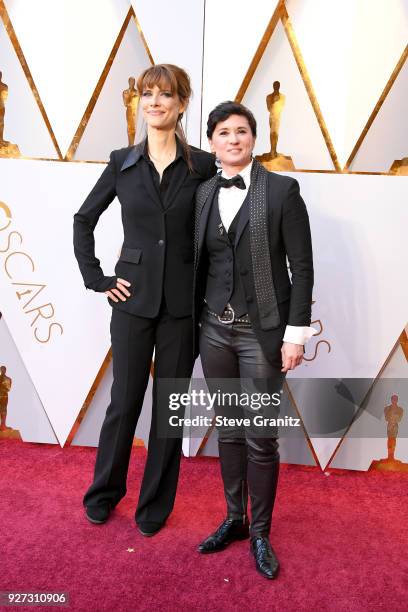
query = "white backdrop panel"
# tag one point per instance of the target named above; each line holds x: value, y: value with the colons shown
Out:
x: 89, y: 429
x: 66, y: 45
x: 357, y: 453
x: 387, y: 138
x: 174, y: 32
x: 107, y: 127
x: 25, y: 412
x: 42, y: 207
x: 24, y: 125
x: 355, y: 240
x: 358, y: 232
x: 233, y: 31
x: 350, y: 49
x: 300, y: 135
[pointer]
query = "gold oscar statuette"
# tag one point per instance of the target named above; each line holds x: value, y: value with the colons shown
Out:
x: 131, y: 102
x: 400, y: 167
x: 273, y: 160
x: 5, y: 386
x: 393, y: 415
x: 7, y: 149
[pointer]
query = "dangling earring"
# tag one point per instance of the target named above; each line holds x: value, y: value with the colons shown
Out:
x: 218, y: 163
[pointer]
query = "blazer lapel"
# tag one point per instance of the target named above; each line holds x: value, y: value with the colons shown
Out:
x: 203, y: 204
x: 133, y: 156
x: 249, y: 204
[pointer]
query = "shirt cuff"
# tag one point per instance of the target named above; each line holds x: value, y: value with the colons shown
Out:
x: 298, y: 335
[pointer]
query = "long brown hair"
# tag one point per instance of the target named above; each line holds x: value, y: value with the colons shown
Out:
x: 178, y: 82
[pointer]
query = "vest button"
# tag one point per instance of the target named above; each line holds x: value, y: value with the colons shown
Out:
x: 243, y: 271
x: 249, y: 298
x: 228, y: 273
x: 161, y: 242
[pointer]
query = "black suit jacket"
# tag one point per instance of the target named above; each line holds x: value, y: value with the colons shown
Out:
x: 157, y: 252
x: 288, y: 237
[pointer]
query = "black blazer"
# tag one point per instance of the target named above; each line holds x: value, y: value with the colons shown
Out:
x: 288, y: 236
x: 157, y: 252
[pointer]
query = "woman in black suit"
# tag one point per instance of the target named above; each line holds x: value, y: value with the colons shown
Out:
x: 150, y: 294
x: 254, y: 320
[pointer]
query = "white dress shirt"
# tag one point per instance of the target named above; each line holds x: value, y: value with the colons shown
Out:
x: 230, y: 201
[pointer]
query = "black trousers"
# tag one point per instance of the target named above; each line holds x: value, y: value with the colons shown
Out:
x: 232, y: 358
x: 133, y: 339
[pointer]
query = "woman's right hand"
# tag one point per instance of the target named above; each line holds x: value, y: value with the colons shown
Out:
x: 119, y: 291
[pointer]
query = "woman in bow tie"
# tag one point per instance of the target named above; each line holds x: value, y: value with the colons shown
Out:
x: 254, y: 320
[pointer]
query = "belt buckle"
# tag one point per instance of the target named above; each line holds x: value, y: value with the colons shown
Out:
x: 229, y: 309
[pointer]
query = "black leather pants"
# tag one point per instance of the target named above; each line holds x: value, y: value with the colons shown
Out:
x: 232, y: 357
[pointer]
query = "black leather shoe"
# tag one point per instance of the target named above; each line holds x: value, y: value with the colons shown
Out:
x: 97, y: 514
x: 266, y: 561
x: 229, y: 531
x: 149, y: 528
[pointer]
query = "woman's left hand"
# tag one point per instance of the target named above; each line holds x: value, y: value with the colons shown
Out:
x: 292, y: 355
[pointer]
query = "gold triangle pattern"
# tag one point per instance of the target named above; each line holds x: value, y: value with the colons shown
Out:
x: 375, y: 112
x: 365, y: 400
x: 4, y: 16
x: 94, y: 98
x: 281, y: 14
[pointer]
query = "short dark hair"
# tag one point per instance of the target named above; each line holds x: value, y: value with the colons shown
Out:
x: 224, y: 110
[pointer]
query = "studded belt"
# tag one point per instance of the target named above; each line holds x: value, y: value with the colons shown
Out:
x: 228, y: 316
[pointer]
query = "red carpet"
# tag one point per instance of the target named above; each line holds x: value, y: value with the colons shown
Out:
x: 342, y: 540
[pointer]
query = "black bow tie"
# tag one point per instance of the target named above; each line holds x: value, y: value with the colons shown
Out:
x: 235, y: 181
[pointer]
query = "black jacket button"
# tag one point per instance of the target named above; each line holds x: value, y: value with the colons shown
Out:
x: 161, y: 242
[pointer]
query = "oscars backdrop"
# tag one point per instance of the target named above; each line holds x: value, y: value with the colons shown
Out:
x: 328, y: 84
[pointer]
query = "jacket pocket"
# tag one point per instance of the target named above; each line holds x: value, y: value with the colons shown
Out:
x: 131, y: 255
